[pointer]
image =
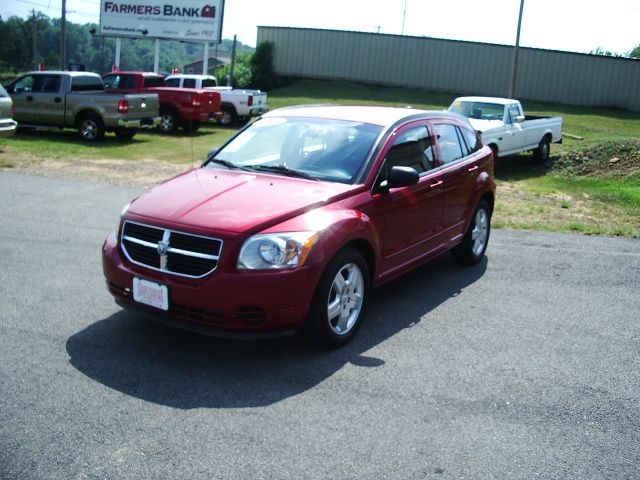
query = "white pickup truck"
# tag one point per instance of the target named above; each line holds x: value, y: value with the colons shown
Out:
x: 504, y: 127
x: 237, y: 104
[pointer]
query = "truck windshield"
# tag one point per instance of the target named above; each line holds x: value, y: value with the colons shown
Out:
x: 324, y: 149
x: 478, y: 110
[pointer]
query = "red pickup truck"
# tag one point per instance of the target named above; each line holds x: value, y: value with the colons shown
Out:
x: 291, y: 223
x: 179, y: 107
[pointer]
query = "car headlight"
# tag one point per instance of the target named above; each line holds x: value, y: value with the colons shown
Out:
x: 276, y: 250
x: 125, y: 209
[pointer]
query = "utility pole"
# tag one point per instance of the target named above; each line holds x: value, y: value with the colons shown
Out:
x: 63, y: 36
x: 404, y: 16
x: 516, y: 54
x: 34, y: 39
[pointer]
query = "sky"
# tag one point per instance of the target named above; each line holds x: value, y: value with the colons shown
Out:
x: 569, y: 25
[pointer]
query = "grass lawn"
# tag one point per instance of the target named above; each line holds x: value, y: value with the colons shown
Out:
x: 590, y: 186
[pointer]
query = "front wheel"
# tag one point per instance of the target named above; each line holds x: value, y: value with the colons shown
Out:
x: 475, y: 241
x: 339, y: 302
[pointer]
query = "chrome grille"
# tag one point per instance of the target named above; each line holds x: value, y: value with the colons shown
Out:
x: 169, y: 251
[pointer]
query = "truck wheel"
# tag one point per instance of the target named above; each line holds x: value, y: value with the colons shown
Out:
x: 125, y: 133
x: 339, y: 301
x: 228, y: 117
x: 542, y: 152
x: 191, y: 126
x: 169, y: 121
x: 475, y: 241
x: 91, y: 127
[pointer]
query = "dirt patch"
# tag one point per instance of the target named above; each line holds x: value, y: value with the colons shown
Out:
x: 144, y: 173
x: 605, y: 160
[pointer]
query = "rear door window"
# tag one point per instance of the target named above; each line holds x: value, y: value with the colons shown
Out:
x: 449, y: 144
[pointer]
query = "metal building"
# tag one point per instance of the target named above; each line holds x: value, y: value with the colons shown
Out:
x: 455, y: 66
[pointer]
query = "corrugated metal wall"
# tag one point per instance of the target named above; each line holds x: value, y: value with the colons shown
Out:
x: 455, y: 66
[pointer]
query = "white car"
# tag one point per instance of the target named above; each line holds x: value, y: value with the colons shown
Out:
x: 237, y: 104
x: 504, y: 127
x: 7, y: 125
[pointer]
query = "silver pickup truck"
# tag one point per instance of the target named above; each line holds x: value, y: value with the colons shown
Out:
x: 77, y: 100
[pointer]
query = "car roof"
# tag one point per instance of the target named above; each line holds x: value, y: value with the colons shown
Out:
x: 375, y: 115
x: 497, y: 100
x: 190, y: 75
x: 63, y: 72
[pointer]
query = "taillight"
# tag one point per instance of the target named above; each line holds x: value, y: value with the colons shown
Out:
x: 250, y: 101
x: 195, y: 102
x: 13, y: 110
x: 123, y: 106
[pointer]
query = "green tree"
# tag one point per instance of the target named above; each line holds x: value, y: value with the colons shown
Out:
x: 635, y: 53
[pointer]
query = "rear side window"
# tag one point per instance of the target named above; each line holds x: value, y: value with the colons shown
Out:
x: 154, y: 82
x: 471, y: 140
x: 209, y: 82
x: 125, y: 82
x: 46, y: 84
x: 448, y: 141
x: 85, y: 83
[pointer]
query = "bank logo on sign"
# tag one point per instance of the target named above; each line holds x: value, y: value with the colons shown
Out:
x: 208, y: 12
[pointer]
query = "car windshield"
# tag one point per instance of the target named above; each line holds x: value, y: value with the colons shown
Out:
x: 322, y: 149
x: 478, y: 110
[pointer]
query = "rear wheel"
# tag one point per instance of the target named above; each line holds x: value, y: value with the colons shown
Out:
x: 542, y: 152
x: 169, y: 121
x: 339, y: 302
x: 228, y: 117
x: 91, y: 127
x: 475, y: 241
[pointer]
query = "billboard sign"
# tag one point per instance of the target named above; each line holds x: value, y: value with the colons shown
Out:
x: 187, y: 20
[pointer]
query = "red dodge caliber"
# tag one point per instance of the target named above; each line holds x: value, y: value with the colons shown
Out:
x: 290, y: 225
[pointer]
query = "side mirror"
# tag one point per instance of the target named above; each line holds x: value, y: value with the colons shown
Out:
x: 520, y: 118
x: 400, y: 177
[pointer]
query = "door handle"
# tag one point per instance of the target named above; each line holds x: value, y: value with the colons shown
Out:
x: 437, y: 184
x: 29, y: 98
x: 472, y: 169
x: 57, y: 99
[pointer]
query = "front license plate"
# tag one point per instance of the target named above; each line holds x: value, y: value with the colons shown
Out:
x: 150, y: 293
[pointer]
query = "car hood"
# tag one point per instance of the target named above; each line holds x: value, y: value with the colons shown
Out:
x: 484, y: 125
x: 234, y: 201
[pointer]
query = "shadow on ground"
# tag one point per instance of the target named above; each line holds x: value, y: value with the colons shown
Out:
x: 179, y: 369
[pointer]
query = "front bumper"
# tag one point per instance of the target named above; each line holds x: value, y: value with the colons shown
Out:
x: 151, y: 122
x: 225, y: 304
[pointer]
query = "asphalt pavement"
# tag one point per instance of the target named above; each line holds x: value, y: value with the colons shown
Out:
x: 525, y: 366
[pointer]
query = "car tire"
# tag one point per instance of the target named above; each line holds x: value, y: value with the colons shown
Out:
x: 91, y: 128
x: 339, y: 302
x: 228, y: 117
x: 169, y: 121
x: 125, y: 133
x: 542, y: 152
x: 476, y: 239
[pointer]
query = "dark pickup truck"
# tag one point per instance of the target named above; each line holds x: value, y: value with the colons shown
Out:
x: 77, y: 100
x: 179, y: 107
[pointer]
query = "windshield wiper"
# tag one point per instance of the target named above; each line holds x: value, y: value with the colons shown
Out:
x: 282, y: 170
x: 227, y: 164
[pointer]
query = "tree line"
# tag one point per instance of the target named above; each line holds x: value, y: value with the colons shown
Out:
x: 27, y: 43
